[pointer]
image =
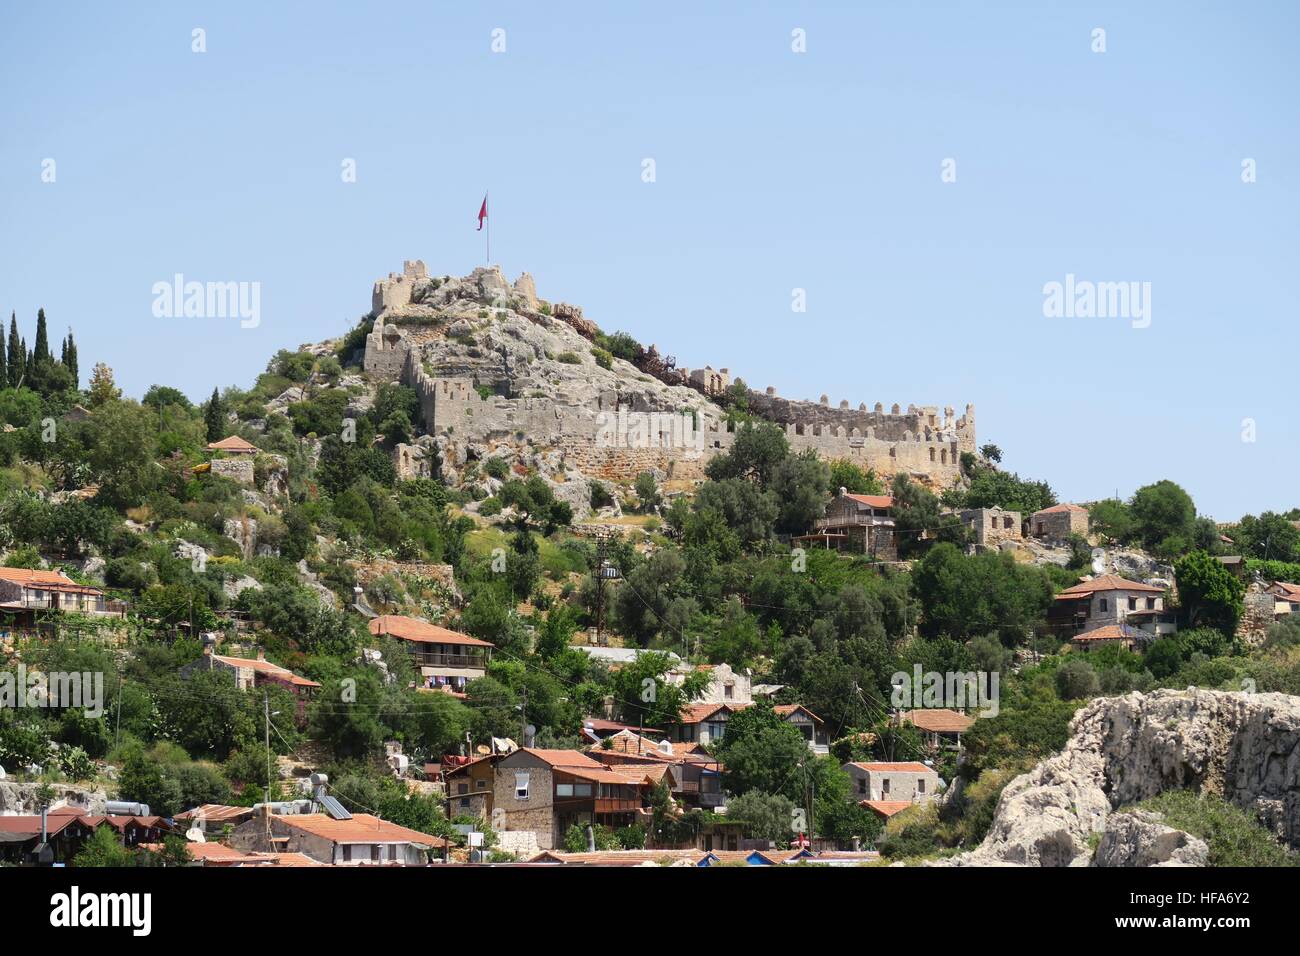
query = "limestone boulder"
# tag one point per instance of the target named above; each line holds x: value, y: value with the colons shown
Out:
x: 1141, y: 839
x: 1123, y: 750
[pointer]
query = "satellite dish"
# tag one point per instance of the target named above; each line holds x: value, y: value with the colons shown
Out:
x: 1098, y: 560
x: 195, y: 834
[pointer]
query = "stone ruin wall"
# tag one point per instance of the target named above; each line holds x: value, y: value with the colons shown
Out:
x: 919, y: 441
x: 454, y: 407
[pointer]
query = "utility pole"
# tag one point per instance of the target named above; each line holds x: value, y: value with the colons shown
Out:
x: 266, y: 713
x: 523, y: 719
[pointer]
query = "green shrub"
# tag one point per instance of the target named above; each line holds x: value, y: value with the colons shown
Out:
x: 569, y: 358
x: 603, y: 358
x: 1235, y: 837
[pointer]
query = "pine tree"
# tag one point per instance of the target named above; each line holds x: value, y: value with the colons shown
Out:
x: 214, y: 416
x: 102, y: 389
x: 41, y: 353
x: 4, y: 372
x: 24, y: 358
x: 15, y: 354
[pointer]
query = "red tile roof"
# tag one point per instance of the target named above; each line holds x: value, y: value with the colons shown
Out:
x: 413, y: 629
x: 266, y: 667
x: 873, y: 501
x: 911, y: 766
x: 1110, y: 632
x: 1058, y: 509
x: 362, y: 828
x: 231, y: 443
x: 938, y: 720
x: 886, y: 808
x: 1106, y: 582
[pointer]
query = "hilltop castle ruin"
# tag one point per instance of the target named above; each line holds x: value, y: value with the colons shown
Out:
x: 609, y: 424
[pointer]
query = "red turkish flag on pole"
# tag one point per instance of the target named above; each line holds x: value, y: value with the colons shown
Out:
x: 482, y: 213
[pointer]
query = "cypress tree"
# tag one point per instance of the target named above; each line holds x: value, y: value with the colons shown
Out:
x: 41, y: 353
x: 214, y: 418
x: 70, y: 359
x: 15, y: 356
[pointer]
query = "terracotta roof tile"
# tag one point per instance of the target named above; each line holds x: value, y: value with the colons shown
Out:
x: 911, y: 766
x: 413, y: 629
x: 939, y: 720
x: 1107, y: 582
x: 362, y: 828
x: 886, y: 808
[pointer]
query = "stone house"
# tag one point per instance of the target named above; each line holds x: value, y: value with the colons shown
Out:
x: 1286, y: 597
x: 1059, y: 522
x: 233, y: 445
x: 445, y: 659
x: 250, y: 673
x: 990, y: 527
x: 693, y: 777
x: 549, y: 791
x: 1121, y: 634
x: 470, y: 788
x: 726, y: 686
x: 363, y: 840
x: 1109, y: 599
x: 910, y: 781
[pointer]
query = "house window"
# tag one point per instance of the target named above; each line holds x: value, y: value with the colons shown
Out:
x: 1102, y: 605
x: 480, y: 785
x: 862, y: 784
x: 521, y: 786
x: 728, y: 692
x: 884, y: 785
x: 920, y: 786
x: 375, y: 849
x: 347, y: 853
x: 582, y: 789
x: 462, y: 788
x: 1151, y: 604
x: 1132, y: 604
x: 564, y: 789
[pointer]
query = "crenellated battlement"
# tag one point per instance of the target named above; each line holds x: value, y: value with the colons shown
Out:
x: 603, y: 433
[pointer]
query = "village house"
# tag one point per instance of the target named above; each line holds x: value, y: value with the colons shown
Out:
x: 1286, y: 597
x: 58, y: 835
x: 469, y: 788
x: 703, y: 723
x: 360, y: 840
x: 26, y: 594
x: 726, y: 686
x: 213, y: 819
x: 233, y: 445
x: 1059, y: 522
x: 693, y: 777
x: 883, y: 781
x: 252, y: 673
x: 861, y: 524
x: 446, y: 659
x: 546, y: 792
x: 990, y: 527
x: 940, y: 728
x: 1121, y: 634
x: 1110, y: 599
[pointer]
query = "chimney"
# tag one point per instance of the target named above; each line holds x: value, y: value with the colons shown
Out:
x: 261, y: 654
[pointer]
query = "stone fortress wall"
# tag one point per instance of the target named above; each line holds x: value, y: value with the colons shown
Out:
x: 616, y: 441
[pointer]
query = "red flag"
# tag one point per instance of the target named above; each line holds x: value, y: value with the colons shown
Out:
x: 482, y: 213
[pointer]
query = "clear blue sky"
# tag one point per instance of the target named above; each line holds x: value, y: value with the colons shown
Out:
x: 775, y: 170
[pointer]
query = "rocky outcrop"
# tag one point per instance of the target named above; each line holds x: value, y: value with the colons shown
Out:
x: 1141, y: 839
x: 1242, y: 747
x: 25, y: 799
